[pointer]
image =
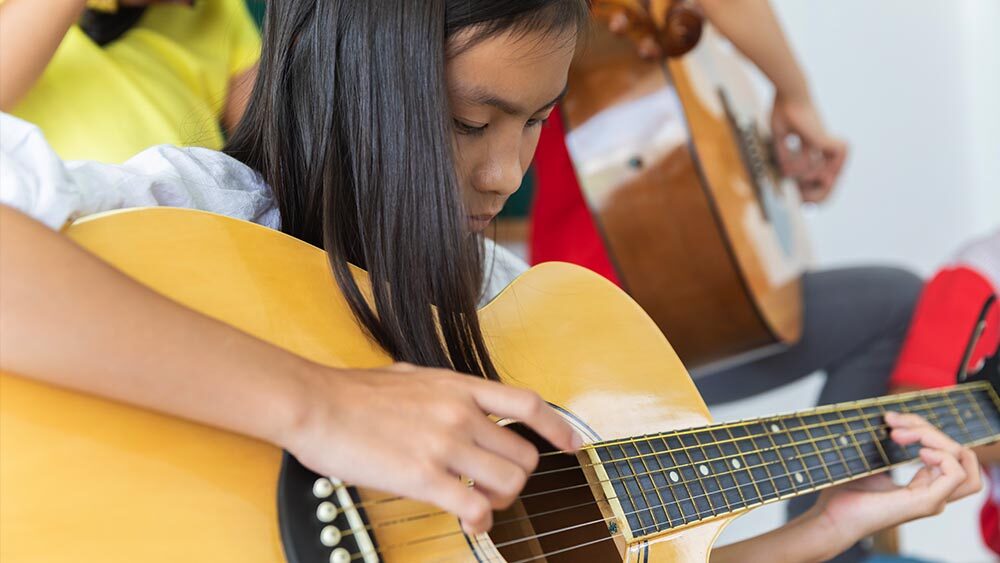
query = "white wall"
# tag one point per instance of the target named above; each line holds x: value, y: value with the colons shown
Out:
x: 914, y: 85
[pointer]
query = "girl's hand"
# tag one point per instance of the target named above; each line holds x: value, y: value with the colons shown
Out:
x: 805, y: 151
x: 950, y: 472
x: 413, y: 431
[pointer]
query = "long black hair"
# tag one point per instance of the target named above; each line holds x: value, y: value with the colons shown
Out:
x: 349, y: 125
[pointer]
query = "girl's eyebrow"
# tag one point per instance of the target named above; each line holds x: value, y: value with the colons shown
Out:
x: 484, y: 97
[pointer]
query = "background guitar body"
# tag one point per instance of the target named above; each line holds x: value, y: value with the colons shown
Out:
x: 664, y: 152
x: 85, y: 479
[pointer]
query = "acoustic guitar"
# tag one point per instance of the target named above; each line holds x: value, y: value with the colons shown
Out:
x: 87, y: 479
x: 675, y: 164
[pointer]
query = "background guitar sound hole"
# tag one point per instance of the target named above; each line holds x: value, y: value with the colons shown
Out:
x: 564, y: 525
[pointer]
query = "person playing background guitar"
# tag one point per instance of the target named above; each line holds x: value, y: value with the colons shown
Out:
x: 855, y: 319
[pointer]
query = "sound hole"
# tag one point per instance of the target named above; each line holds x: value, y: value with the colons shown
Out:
x: 556, y: 518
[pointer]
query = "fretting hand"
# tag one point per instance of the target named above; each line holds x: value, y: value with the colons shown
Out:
x: 950, y: 472
x: 412, y: 431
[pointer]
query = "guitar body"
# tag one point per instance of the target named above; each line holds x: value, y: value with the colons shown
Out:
x: 86, y: 479
x: 672, y: 161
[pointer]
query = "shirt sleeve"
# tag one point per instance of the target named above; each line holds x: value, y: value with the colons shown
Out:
x: 34, y: 180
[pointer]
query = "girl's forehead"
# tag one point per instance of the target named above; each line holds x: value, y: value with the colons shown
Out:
x: 516, y: 73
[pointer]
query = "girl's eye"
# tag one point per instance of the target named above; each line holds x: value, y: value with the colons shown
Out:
x: 536, y: 122
x: 466, y: 129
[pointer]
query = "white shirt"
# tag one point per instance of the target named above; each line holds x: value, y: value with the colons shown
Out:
x: 34, y: 180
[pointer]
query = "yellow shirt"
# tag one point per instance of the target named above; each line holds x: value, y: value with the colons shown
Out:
x: 166, y: 80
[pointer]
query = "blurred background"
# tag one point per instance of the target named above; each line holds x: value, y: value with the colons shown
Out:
x: 913, y: 86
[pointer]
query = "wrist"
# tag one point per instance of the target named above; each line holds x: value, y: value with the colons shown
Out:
x: 297, y: 408
x: 796, y: 95
x: 818, y: 523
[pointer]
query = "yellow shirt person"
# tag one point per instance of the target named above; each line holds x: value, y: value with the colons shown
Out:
x: 177, y: 76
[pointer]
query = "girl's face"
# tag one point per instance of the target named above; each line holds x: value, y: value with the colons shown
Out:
x: 501, y: 90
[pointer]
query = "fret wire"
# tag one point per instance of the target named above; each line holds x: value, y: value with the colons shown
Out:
x: 735, y: 475
x: 691, y: 451
x: 698, y: 513
x: 682, y: 480
x: 781, y: 459
x: 708, y: 463
x: 637, y: 477
x: 934, y: 418
x: 628, y: 464
x: 876, y: 439
x: 854, y: 439
x: 851, y: 405
x: 761, y: 421
x: 967, y: 389
x: 994, y: 397
x: 890, y: 444
x: 857, y: 447
x: 839, y: 451
x: 958, y: 416
x: 810, y: 435
x: 782, y: 492
x: 994, y: 403
x: 869, y: 429
x: 975, y: 404
x: 651, y: 480
x: 676, y: 502
x: 746, y: 466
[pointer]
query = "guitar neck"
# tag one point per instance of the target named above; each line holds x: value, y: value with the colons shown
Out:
x: 670, y: 480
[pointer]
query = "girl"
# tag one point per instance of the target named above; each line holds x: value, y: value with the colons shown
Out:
x: 385, y: 132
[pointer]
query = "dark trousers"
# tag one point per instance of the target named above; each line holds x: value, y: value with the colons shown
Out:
x: 854, y: 325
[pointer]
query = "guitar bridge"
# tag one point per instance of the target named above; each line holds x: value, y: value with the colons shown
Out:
x: 321, y: 518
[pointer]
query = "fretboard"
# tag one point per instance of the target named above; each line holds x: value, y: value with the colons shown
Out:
x: 665, y: 481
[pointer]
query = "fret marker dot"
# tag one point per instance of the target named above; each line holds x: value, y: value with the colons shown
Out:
x: 799, y: 478
x: 774, y: 428
x: 703, y: 469
x: 674, y: 477
x: 736, y: 463
x: 843, y: 440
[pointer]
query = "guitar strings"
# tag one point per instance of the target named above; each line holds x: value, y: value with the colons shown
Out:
x: 703, y: 516
x: 677, y: 503
x: 965, y: 391
x: 749, y: 438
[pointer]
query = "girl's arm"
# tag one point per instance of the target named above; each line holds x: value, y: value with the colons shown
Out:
x: 69, y: 319
x: 30, y: 33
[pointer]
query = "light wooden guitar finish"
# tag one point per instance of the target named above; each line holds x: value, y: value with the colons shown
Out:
x: 86, y: 479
